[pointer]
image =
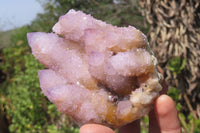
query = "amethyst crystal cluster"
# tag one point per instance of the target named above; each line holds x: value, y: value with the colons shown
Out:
x: 97, y: 73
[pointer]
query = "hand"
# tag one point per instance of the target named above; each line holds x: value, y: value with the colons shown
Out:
x: 163, y: 119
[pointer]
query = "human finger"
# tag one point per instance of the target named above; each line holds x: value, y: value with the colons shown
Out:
x: 95, y: 128
x: 153, y: 124
x: 166, y: 114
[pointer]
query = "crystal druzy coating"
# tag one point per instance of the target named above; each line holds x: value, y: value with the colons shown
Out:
x: 97, y: 73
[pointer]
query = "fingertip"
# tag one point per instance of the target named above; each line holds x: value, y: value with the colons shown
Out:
x: 95, y: 128
x: 164, y: 104
x: 166, y: 114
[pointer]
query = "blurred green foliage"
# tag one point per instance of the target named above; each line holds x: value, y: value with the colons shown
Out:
x: 176, y: 65
x: 21, y: 98
x: 190, y: 123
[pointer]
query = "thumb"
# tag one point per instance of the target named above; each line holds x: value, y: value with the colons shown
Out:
x: 95, y: 128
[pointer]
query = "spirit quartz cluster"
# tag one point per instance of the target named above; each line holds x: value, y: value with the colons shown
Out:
x: 97, y: 73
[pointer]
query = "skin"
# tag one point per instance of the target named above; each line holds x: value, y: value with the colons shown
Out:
x: 163, y: 119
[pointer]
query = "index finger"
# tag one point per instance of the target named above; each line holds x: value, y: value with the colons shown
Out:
x: 166, y: 114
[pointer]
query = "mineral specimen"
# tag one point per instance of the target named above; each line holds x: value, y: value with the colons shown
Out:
x: 98, y: 73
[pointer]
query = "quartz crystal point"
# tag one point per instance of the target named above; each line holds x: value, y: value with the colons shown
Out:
x: 97, y: 73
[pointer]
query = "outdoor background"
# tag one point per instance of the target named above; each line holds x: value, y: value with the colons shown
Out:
x: 173, y: 30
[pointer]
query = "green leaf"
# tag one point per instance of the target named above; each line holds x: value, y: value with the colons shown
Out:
x: 176, y: 64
